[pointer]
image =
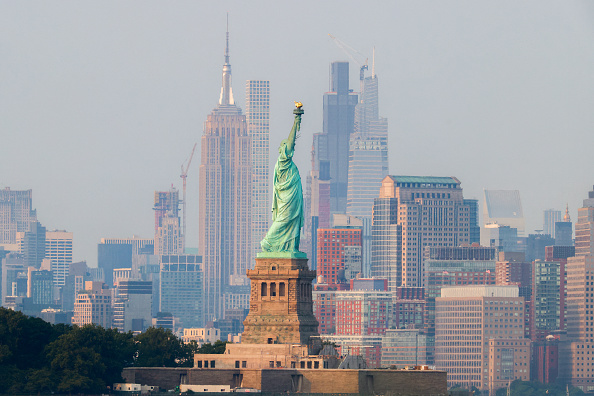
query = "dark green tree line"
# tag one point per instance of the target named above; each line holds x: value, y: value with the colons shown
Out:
x: 37, y: 357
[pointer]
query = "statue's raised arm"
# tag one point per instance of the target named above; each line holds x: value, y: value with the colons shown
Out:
x: 287, y: 203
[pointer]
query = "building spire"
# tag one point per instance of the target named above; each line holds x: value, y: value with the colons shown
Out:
x: 566, y: 217
x: 226, y: 97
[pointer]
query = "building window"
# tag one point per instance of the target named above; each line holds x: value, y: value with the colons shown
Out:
x: 273, y: 289
x: 263, y: 291
x: 281, y: 289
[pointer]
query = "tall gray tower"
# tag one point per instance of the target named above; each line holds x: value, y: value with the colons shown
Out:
x: 368, y: 160
x: 257, y: 112
x: 339, y: 123
x: 225, y: 199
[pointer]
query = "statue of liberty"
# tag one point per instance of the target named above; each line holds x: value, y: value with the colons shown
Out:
x: 287, y: 203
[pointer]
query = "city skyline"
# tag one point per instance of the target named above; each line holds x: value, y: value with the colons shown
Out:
x: 477, y: 91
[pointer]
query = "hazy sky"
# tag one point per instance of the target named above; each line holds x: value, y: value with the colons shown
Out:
x: 101, y: 102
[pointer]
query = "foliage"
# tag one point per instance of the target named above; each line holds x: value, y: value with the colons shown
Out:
x: 535, y: 388
x: 218, y: 347
x: 90, y: 358
x: 158, y: 347
x: 37, y: 357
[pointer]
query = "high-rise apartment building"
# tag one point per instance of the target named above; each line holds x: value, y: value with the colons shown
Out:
x: 474, y: 228
x: 166, y: 204
x: 479, y: 336
x: 93, y: 305
x: 368, y: 159
x: 40, y: 287
x: 324, y: 308
x: 580, y: 295
x: 564, y: 230
x: 119, y: 252
x: 339, y: 252
x: 16, y: 213
x: 58, y: 248
x: 169, y: 238
x: 550, y: 217
x: 504, y: 208
x: 13, y: 264
x: 363, y: 312
x: 181, y: 288
x: 317, y: 198
x: 455, y: 266
x: 257, y: 114
x: 413, y: 212
x: 132, y: 305
x: 403, y: 348
x: 226, y: 242
x: 546, y: 304
x: 560, y: 254
x: 32, y: 244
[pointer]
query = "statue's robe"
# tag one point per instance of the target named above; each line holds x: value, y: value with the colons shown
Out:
x: 287, y: 205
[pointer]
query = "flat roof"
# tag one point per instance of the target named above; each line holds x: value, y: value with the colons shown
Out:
x: 425, y: 179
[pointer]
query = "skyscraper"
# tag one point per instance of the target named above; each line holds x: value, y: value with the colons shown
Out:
x: 413, y: 212
x: 168, y: 229
x: 58, y: 248
x: 257, y: 113
x: 550, y: 217
x: 226, y: 240
x: 16, y: 213
x: 32, y: 244
x: 502, y: 207
x: 368, y: 160
x: 580, y: 272
x: 564, y: 230
x: 339, y: 123
x: 118, y: 253
x: 166, y: 203
x: 181, y: 288
x: 473, y: 344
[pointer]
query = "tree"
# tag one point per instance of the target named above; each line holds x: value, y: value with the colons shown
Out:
x: 219, y: 347
x: 158, y: 347
x: 89, y: 358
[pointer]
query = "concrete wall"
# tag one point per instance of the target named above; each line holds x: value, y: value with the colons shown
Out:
x: 387, y: 382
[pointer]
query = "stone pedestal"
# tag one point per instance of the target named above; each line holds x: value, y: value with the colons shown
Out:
x: 281, y: 305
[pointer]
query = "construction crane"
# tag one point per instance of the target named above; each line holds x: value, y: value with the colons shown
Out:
x: 184, y: 175
x: 351, y: 52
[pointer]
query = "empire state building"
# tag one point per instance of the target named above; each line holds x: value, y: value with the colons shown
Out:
x: 225, y: 199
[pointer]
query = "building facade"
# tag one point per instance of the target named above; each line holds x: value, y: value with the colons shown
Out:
x: 225, y: 211
x: 93, y: 305
x: 363, y: 312
x: 550, y: 217
x: 479, y: 336
x: 181, y: 288
x: 413, y: 212
x: 337, y: 254
x: 580, y: 272
x: 368, y: 159
x: 257, y: 114
x: 58, y: 248
x: 16, y: 213
x: 502, y: 207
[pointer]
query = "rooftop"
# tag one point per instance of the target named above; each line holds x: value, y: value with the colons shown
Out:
x: 425, y: 179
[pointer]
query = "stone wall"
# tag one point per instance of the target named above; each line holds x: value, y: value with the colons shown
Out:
x: 385, y: 382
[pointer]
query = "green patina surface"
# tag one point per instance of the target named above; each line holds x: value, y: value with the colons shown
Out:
x: 287, y: 204
x: 281, y: 255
